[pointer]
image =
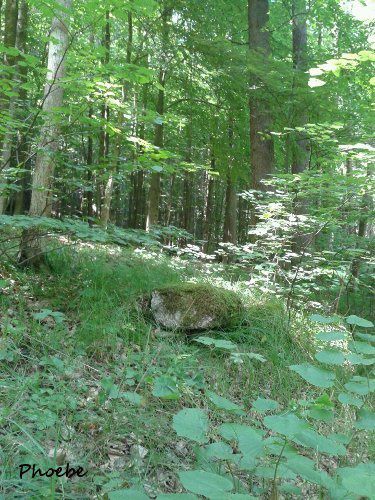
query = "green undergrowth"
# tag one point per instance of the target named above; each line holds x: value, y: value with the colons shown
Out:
x: 87, y: 378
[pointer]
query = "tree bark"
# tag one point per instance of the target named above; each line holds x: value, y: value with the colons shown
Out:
x: 231, y: 200
x: 7, y: 104
x: 41, y: 198
x: 301, y: 147
x: 154, y: 191
x: 261, y: 143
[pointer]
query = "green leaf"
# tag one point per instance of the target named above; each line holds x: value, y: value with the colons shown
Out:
x: 263, y: 405
x: 127, y: 494
x: 325, y: 320
x: 360, y: 479
x: 177, y: 496
x: 365, y: 420
x: 191, y: 423
x: 319, y: 443
x: 330, y: 357
x: 365, y: 336
x: 313, y: 375
x: 360, y: 385
x: 165, y: 387
x: 132, y: 397
x: 305, y: 468
x: 218, y: 343
x: 233, y: 496
x: 288, y: 425
x: 249, y: 439
x: 356, y: 320
x: 224, y: 404
x: 348, y: 399
x: 220, y: 451
x: 361, y: 347
x: 358, y: 359
x: 205, y: 483
x: 331, y: 336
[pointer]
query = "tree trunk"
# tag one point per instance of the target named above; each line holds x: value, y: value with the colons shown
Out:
x: 231, y: 200
x: 154, y: 191
x: 261, y: 143
x: 301, y: 147
x: 7, y: 104
x: 41, y: 197
x: 22, y: 149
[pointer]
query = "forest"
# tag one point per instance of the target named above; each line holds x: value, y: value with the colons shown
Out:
x: 187, y: 249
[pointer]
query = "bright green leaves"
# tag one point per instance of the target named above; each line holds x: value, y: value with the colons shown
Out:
x: 324, y: 320
x: 249, y: 440
x: 359, y: 480
x: 127, y: 494
x: 313, y: 375
x: 263, y: 405
x: 205, y: 483
x: 165, y: 387
x: 322, y: 409
x: 331, y: 336
x: 224, y: 404
x: 305, y: 468
x: 288, y: 425
x: 365, y: 420
x: 330, y: 357
x: 360, y: 385
x: 191, y: 423
x: 349, y: 399
x: 356, y: 320
x: 218, y: 343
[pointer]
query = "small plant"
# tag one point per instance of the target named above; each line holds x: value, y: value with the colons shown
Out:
x: 267, y: 456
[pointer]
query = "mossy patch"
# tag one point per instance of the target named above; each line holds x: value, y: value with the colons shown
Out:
x: 196, y: 306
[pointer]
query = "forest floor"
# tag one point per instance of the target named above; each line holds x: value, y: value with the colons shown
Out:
x: 86, y: 378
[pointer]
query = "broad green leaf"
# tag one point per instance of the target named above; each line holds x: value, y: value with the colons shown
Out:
x: 365, y: 336
x: 360, y: 479
x: 224, y: 404
x: 218, y: 343
x: 319, y: 443
x: 165, y: 387
x: 249, y: 439
x: 263, y: 405
x: 191, y: 423
x: 269, y: 472
x: 132, y: 397
x: 288, y: 425
x: 127, y: 494
x: 330, y: 357
x: 358, y: 359
x: 205, y: 483
x: 356, y: 320
x: 331, y: 336
x: 314, y: 375
x: 348, y: 399
x: 305, y: 468
x: 325, y: 320
x: 176, y: 496
x: 361, y: 347
x: 233, y: 496
x: 360, y: 385
x: 365, y: 420
x: 220, y: 451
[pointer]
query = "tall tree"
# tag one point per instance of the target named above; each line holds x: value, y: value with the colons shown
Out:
x: 42, y: 181
x: 7, y: 101
x: 261, y: 143
x: 154, y: 191
x: 301, y: 147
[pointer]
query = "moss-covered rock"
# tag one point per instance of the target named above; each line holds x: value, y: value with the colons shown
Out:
x: 192, y: 306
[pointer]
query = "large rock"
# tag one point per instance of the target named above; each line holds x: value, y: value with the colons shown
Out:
x: 191, y: 306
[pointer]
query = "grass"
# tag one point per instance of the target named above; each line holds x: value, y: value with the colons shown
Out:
x: 59, y: 378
